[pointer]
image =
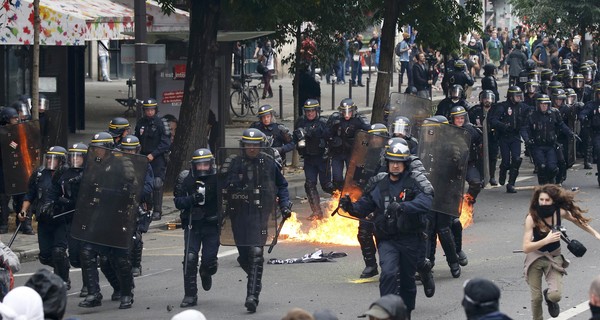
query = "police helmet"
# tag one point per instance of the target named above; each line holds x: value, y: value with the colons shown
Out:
x: 544, y: 85
x: 149, y: 103
x: 460, y: 65
x: 401, y: 126
x: 532, y: 86
x: 253, y: 136
x: 547, y: 74
x: 597, y: 92
x: 397, y: 152
x: 117, y: 126
x: 395, y: 140
x: 571, y: 96
x: 6, y: 114
x: 566, y: 64
x: 458, y: 111
x: 558, y: 97
x: 312, y: 104
x: 23, y: 110
x: 438, y: 119
x: 533, y: 75
x: 487, y: 97
x: 347, y: 107
x: 567, y: 76
x: 489, y: 69
x: 265, y: 110
x: 379, y: 129
x: 514, y: 94
x: 578, y: 81
x: 102, y: 139
x: 78, y: 150
x: 592, y: 64
x: 586, y: 71
x: 202, y: 156
x: 542, y: 99
x: 55, y: 153
x: 530, y: 64
x: 456, y: 92
x: 555, y: 85
x: 130, y: 143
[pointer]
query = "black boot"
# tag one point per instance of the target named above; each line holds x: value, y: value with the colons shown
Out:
x: 207, y: 270
x: 367, y: 246
x: 84, y: 291
x: 502, y: 175
x: 189, y: 301
x: 91, y: 301
x: 89, y: 268
x: 254, y: 279
x: 190, y: 284
x: 493, y: 181
x: 136, y: 255
x: 426, y: 276
x: 314, y: 201
x: 512, y: 175
x: 449, y: 246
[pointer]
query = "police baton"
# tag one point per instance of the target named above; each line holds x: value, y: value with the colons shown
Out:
x: 12, y: 239
x: 187, y: 244
x: 63, y: 214
x: 274, y: 242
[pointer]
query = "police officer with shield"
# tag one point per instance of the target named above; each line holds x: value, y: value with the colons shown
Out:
x: 401, y: 128
x: 249, y: 197
x: 196, y: 196
x: 343, y: 126
x: 479, y: 116
x: 591, y: 113
x: 310, y: 134
x: 455, y: 98
x: 53, y: 230
x: 398, y: 202
x: 277, y: 134
x: 154, y: 135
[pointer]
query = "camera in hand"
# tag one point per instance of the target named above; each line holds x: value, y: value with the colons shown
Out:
x: 574, y: 246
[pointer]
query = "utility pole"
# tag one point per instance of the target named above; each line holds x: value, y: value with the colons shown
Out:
x: 35, y: 88
x: 142, y: 85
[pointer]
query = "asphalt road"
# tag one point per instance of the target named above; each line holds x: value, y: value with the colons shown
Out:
x: 489, y: 243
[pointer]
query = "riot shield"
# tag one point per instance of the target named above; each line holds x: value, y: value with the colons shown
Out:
x: 416, y: 109
x: 20, y: 145
x: 486, y: 148
x: 444, y: 150
x: 109, y: 193
x: 247, y: 196
x: 365, y: 162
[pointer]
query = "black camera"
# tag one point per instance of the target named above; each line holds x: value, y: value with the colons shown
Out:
x: 430, y: 58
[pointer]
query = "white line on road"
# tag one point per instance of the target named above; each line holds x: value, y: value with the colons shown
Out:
x: 578, y: 309
x: 140, y: 277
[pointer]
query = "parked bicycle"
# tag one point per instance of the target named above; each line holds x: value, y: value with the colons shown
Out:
x: 244, y: 96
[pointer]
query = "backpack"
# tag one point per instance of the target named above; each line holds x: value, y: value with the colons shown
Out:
x: 397, y: 49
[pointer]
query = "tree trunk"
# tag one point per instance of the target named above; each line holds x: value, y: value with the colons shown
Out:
x: 35, y: 77
x: 193, y: 117
x: 386, y: 58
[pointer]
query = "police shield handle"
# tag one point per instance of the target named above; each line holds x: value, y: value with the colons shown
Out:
x: 278, y: 231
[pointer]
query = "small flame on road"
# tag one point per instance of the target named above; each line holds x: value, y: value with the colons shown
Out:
x: 466, y: 211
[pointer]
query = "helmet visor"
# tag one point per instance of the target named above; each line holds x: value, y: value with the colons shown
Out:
x: 571, y: 99
x: 76, y: 159
x: 517, y: 97
x: 532, y: 87
x: 401, y: 127
x: 52, y: 161
x: 204, y: 168
x: 455, y: 93
x: 487, y: 98
x: 578, y: 83
x: 346, y: 111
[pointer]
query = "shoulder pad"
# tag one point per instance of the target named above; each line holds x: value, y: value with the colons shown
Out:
x: 422, y: 182
x: 416, y: 165
x: 255, y: 124
x: 335, y: 115
x: 322, y: 119
x: 182, y: 175
x: 373, y: 181
x: 362, y: 118
x: 227, y: 163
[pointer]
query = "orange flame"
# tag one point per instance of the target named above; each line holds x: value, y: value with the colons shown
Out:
x: 466, y: 211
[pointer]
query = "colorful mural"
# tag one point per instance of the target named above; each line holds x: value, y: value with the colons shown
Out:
x: 72, y: 22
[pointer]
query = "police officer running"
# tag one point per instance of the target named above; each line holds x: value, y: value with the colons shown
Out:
x: 398, y: 202
x: 196, y: 196
x: 154, y: 136
x: 310, y: 134
x: 276, y: 134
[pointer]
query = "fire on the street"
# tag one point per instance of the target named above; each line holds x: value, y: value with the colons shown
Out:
x: 340, y: 230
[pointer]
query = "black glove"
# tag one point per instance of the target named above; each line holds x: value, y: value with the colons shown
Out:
x: 198, y: 198
x: 394, y: 208
x: 286, y: 212
x: 346, y: 204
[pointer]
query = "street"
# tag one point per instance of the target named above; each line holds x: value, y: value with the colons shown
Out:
x: 489, y: 244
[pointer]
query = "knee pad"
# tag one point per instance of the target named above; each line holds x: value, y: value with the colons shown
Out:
x: 59, y: 253
x: 516, y: 164
x: 158, y: 183
x: 46, y: 260
x: 327, y: 187
x: 309, y: 186
x: 192, y: 259
x: 209, y: 269
x: 256, y: 255
x: 456, y: 225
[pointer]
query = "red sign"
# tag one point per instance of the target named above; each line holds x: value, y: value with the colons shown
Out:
x: 179, y: 72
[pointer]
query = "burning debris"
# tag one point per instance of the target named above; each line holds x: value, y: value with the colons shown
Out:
x: 317, y: 256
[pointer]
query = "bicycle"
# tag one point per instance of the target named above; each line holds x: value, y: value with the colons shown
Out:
x: 244, y: 97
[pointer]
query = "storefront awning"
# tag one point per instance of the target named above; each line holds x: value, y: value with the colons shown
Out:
x: 222, y: 36
x: 72, y: 22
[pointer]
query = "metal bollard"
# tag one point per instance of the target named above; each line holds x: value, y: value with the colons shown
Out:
x: 399, y: 82
x: 350, y: 89
x: 281, y: 102
x: 392, y: 77
x: 368, y: 85
x: 332, y: 95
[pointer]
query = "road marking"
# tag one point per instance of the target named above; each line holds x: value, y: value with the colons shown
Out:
x: 32, y: 273
x: 220, y: 255
x: 572, y: 312
x: 140, y: 277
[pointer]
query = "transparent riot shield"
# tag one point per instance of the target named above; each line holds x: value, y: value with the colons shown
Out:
x: 365, y: 162
x: 20, y: 145
x: 416, y: 109
x: 247, y: 196
x: 110, y: 190
x: 444, y: 151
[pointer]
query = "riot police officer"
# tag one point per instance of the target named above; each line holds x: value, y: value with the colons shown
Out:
x: 459, y: 118
x: 310, y: 134
x: 531, y: 91
x: 524, y: 74
x: 402, y: 128
x: 196, y: 196
x: 118, y: 128
x: 460, y: 76
x: 131, y: 144
x: 455, y: 98
x: 398, y: 201
x: 249, y: 171
x: 477, y: 115
x: 343, y: 126
x: 53, y: 231
x: 63, y: 193
x: 488, y: 82
x: 591, y: 113
x: 153, y: 133
x: 277, y: 134
x: 510, y: 116
x: 540, y: 132
x: 565, y: 103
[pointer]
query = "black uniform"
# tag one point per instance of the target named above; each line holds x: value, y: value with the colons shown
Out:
x: 144, y: 219
x: 474, y: 175
x: 279, y: 135
x: 444, y: 107
x: 568, y: 115
x: 199, y: 221
x: 398, y: 208
x: 489, y: 83
x: 341, y: 141
x: 155, y: 139
x: 591, y: 113
x: 476, y: 117
x: 315, y: 165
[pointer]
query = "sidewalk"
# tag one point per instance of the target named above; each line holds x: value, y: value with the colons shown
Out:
x: 100, y: 107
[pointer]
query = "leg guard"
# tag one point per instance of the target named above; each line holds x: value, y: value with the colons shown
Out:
x: 313, y: 200
x: 123, y: 267
x: 157, y: 198
x: 457, y: 231
x: 61, y: 264
x: 551, y: 175
x: 111, y: 275
x: 502, y: 174
x: 474, y: 189
x: 367, y: 246
x: 254, y: 278
x: 541, y: 174
x: 514, y: 171
x: 449, y: 246
x: 89, y: 268
x: 207, y: 270
x: 47, y: 261
x: 136, y: 254
x: 190, y: 284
